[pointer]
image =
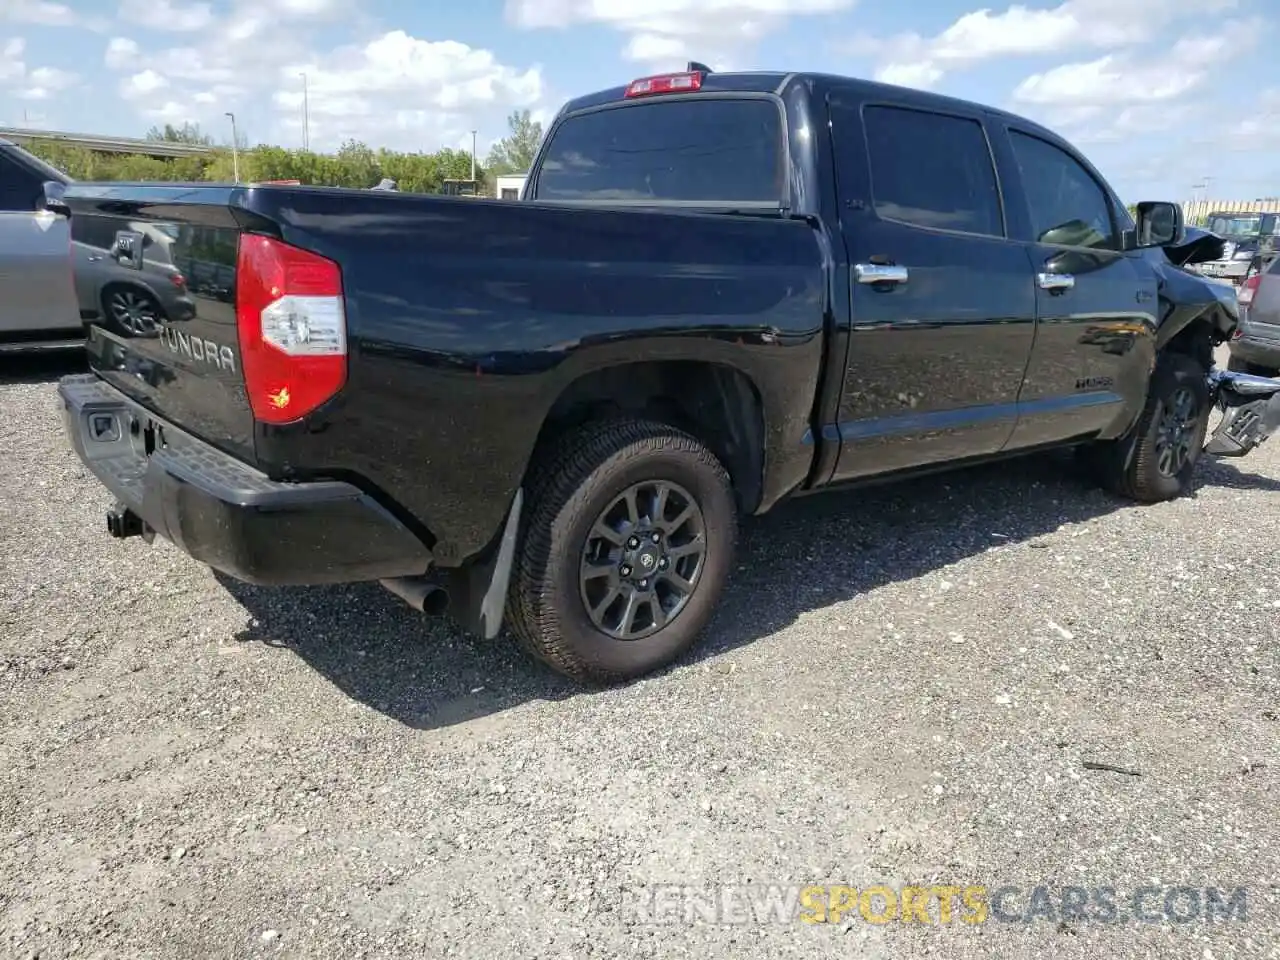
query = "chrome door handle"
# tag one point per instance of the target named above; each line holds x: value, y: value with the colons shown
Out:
x: 93, y: 259
x: 1055, y: 282
x: 879, y: 273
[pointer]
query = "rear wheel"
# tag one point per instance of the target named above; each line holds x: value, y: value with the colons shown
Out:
x: 1157, y: 461
x: 626, y: 548
x: 132, y: 311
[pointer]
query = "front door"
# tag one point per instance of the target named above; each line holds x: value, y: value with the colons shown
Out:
x: 942, y: 303
x: 1096, y: 305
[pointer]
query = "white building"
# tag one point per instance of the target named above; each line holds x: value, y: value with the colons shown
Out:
x: 509, y: 188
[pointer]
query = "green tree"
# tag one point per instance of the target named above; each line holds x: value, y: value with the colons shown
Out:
x: 514, y: 153
x: 354, y: 165
x: 187, y: 133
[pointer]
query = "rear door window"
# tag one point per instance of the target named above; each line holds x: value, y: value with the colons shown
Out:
x: 932, y: 170
x: 707, y: 150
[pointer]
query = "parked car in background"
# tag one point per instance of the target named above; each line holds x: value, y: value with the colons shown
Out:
x: 38, y: 306
x: 1255, y: 346
x: 1250, y: 244
x: 125, y: 274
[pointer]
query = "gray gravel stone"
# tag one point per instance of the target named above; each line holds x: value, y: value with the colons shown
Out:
x: 902, y: 686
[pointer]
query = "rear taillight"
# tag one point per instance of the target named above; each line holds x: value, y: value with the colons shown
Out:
x: 665, y: 83
x: 292, y: 328
x: 1250, y: 287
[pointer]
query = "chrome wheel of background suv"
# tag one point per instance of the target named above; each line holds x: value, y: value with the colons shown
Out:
x: 134, y: 312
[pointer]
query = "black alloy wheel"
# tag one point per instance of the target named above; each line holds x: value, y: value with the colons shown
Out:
x: 643, y: 559
x: 1177, y: 432
x: 626, y: 544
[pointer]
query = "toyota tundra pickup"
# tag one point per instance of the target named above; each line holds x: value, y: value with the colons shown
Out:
x: 719, y: 291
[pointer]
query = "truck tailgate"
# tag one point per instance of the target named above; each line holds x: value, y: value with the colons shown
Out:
x: 180, y: 357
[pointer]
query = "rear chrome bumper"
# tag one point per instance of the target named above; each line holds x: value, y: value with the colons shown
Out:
x: 225, y: 513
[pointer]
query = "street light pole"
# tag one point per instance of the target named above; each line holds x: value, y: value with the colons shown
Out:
x: 306, y: 116
x: 235, y: 148
x: 473, y: 156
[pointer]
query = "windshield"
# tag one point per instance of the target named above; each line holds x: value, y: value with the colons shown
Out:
x: 1243, y: 225
x: 711, y: 150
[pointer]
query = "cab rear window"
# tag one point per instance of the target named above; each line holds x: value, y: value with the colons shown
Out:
x: 697, y: 150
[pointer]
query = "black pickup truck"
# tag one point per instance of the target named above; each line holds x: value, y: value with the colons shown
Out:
x: 719, y: 291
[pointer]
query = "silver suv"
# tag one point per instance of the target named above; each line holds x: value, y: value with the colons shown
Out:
x: 126, y: 275
x: 38, y: 304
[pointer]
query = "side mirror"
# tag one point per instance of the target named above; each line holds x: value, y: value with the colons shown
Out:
x: 1160, y: 224
x: 54, y: 201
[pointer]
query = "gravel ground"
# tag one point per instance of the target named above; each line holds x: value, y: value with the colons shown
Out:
x: 904, y: 687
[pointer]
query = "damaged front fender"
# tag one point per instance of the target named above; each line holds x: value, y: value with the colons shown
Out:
x: 1186, y: 296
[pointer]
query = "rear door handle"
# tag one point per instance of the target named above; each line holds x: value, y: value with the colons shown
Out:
x: 1056, y: 282
x: 880, y: 273
x: 93, y: 259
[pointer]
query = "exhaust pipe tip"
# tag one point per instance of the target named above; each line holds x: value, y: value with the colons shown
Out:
x: 422, y: 594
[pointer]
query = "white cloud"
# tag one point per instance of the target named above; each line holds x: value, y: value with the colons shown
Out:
x: 1130, y: 93
x: 1022, y: 31
x: 27, y: 83
x: 407, y: 84
x: 386, y: 88
x: 667, y: 33
x: 141, y: 85
x: 40, y: 12
x: 169, y: 112
x: 166, y: 15
x: 121, y: 53
x: 1259, y: 130
x: 922, y: 75
x: 11, y: 65
x: 1107, y: 81
x: 1135, y: 77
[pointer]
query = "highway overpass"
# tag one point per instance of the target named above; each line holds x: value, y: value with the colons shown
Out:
x: 146, y: 148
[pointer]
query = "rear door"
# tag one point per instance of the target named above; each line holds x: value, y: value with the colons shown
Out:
x: 942, y: 303
x: 1096, y: 305
x: 36, y: 289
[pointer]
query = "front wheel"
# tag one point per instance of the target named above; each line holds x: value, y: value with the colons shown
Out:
x: 626, y: 549
x: 1157, y: 460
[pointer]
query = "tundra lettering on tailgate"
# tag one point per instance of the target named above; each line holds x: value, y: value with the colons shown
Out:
x: 198, y: 349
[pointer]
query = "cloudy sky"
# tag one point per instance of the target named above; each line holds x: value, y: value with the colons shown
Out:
x: 1160, y: 93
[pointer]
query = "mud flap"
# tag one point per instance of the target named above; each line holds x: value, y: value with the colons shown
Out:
x: 1251, y: 412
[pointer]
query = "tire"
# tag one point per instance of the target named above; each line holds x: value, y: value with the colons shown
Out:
x: 1138, y: 466
x: 131, y: 310
x: 575, y: 485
